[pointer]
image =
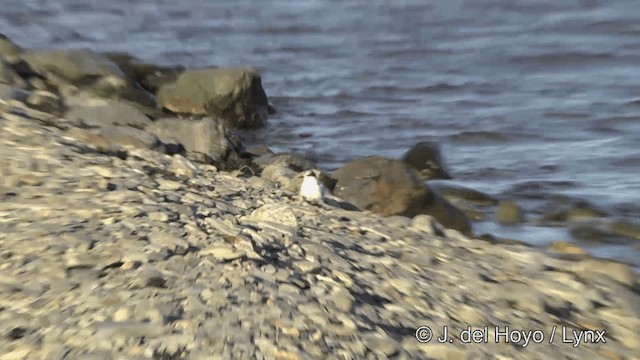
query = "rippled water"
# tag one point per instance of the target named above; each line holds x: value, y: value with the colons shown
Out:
x: 526, y: 96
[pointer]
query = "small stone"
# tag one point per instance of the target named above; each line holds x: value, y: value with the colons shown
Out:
x: 282, y: 214
x: 158, y: 216
x: 103, y: 171
x: 223, y: 253
x: 470, y: 315
x: 424, y: 223
x: 509, y: 213
x: 28, y: 180
x: 16, y: 354
x: 564, y: 247
x: 308, y: 266
x: 617, y: 271
x: 167, y: 240
x: 121, y: 314
x: 45, y: 101
x: 168, y: 184
x: 386, y: 346
x: 182, y: 167
x: 443, y: 351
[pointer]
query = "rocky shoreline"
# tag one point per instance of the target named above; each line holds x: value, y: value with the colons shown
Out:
x: 135, y: 225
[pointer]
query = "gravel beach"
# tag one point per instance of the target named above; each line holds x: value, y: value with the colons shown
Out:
x: 129, y: 230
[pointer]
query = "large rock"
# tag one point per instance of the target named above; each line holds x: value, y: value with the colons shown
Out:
x: 8, y: 49
x: 391, y: 187
x: 115, y: 138
x: 234, y: 95
x: 8, y: 92
x: 72, y: 65
x: 509, y: 213
x: 104, y: 113
x: 149, y: 76
x: 294, y: 161
x: 91, y: 71
x: 426, y: 159
x: 207, y: 136
x: 8, y: 75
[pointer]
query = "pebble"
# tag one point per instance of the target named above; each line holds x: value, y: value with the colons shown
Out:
x: 223, y: 253
x: 158, y: 256
x: 158, y: 216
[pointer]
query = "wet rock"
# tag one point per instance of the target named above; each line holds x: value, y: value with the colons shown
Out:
x: 626, y: 229
x: 150, y: 76
x: 454, y: 193
x: 447, y: 214
x: 509, y: 213
x: 571, y: 210
x: 259, y: 150
x: 563, y: 247
x: 390, y: 187
x: 293, y: 161
x: 205, y: 136
x: 112, y: 87
x: 425, y: 158
x: 595, y: 232
x: 468, y: 209
x: 234, y: 95
x: 385, y: 186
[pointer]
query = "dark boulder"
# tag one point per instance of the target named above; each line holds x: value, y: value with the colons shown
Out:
x: 89, y: 112
x: 391, y: 187
x: 426, y: 159
x: 149, y: 76
x: 234, y: 95
x: 75, y: 66
x: 207, y: 139
x: 89, y: 71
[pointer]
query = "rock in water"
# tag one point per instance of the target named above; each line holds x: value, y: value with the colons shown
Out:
x: 391, y: 187
x: 426, y: 159
x: 150, y: 76
x: 235, y: 95
x: 509, y: 213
